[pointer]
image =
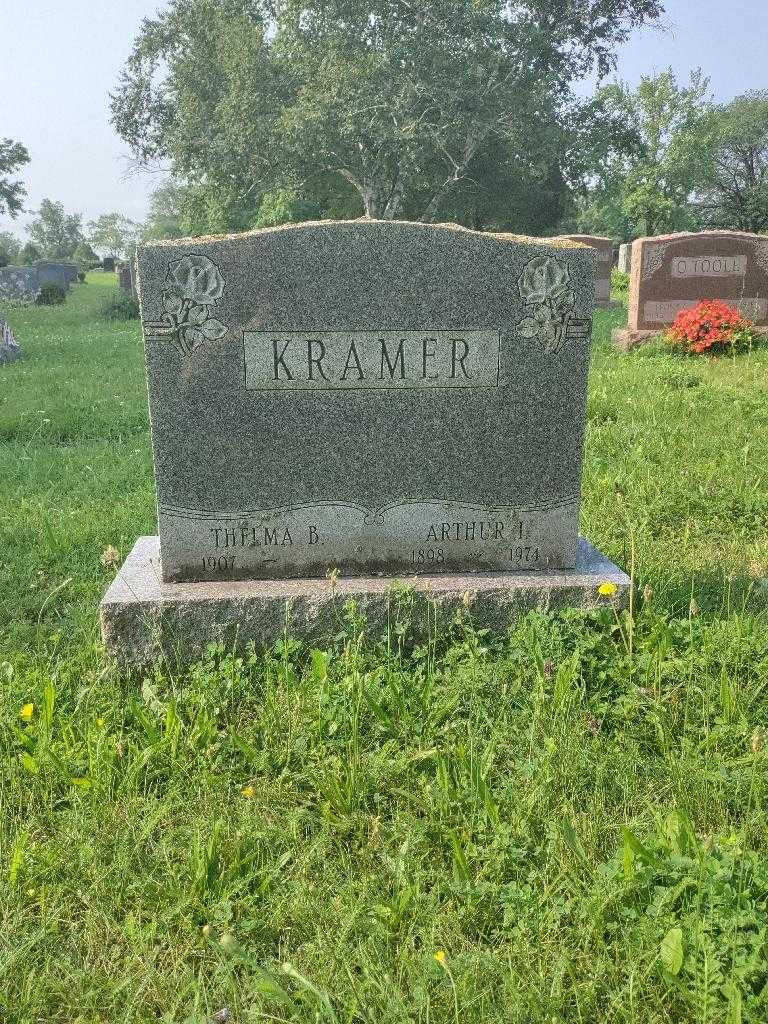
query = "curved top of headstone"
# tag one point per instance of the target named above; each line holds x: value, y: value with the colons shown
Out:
x: 682, y: 236
x: 582, y: 239
x: 564, y: 242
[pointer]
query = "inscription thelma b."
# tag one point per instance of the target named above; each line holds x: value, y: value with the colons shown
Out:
x: 330, y: 360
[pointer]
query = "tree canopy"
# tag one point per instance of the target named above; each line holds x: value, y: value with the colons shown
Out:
x: 643, y: 158
x: 114, y: 234
x: 733, y: 190
x: 13, y: 156
x: 54, y: 232
x: 457, y: 108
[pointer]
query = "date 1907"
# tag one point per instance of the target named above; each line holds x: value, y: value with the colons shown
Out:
x: 218, y: 563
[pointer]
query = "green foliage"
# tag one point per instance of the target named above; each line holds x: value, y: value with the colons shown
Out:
x: 120, y: 306
x: 697, y: 908
x: 733, y: 191
x: 13, y: 156
x: 29, y: 254
x: 392, y: 109
x: 166, y: 217
x: 619, y: 284
x: 51, y: 295
x: 114, y: 233
x: 640, y: 179
x: 85, y: 257
x: 55, y: 233
x: 10, y: 247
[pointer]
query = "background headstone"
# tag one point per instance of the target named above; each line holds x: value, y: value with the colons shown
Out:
x: 604, y: 248
x: 625, y: 258
x: 51, y: 272
x: 674, y: 272
x: 19, y: 284
x: 71, y: 271
x: 108, y: 263
x: 374, y: 397
x: 9, y: 347
x: 126, y: 278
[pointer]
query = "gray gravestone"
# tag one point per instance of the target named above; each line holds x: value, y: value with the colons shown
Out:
x: 71, y: 271
x: 371, y: 397
x: 9, y: 347
x: 625, y: 258
x: 50, y: 272
x: 19, y: 284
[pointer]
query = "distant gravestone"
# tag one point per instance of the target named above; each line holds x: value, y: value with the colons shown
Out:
x: 108, y: 263
x: 9, y: 347
x: 125, y: 279
x: 674, y: 272
x: 625, y: 258
x: 19, y: 284
x: 365, y: 398
x: 604, y: 248
x: 50, y: 272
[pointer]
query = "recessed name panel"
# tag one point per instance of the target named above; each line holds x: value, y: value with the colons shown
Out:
x: 338, y: 360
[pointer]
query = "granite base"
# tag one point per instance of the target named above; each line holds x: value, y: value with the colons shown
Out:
x: 143, y: 619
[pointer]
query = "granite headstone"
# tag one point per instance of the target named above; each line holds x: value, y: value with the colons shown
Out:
x: 19, y: 284
x: 674, y: 272
x: 9, y: 347
x: 625, y: 258
x: 50, y: 272
x: 604, y: 247
x: 364, y: 396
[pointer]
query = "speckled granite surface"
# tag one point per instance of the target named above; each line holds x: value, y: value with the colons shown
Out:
x: 369, y: 396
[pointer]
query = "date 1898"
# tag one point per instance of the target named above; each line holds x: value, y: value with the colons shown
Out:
x: 428, y: 556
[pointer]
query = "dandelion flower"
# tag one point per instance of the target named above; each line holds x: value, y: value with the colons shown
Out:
x: 441, y: 957
x: 607, y: 589
x: 248, y: 791
x: 110, y: 556
x: 26, y: 712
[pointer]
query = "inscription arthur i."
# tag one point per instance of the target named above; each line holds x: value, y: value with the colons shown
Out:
x: 329, y: 360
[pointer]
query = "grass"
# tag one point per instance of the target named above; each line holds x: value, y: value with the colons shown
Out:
x: 566, y: 823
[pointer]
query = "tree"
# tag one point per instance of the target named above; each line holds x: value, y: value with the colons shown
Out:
x: 733, y: 192
x: 85, y: 257
x: 29, y: 254
x: 55, y: 233
x: 12, y: 193
x: 642, y: 160
x: 9, y: 248
x: 114, y: 234
x: 390, y: 108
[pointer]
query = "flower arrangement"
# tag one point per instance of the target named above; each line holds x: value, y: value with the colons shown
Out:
x: 711, y: 326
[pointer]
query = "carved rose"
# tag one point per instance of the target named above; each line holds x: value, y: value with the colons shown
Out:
x: 542, y: 325
x: 195, y: 285
x: 544, y: 279
x: 196, y: 279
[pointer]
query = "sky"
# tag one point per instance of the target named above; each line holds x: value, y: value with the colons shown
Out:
x: 61, y: 58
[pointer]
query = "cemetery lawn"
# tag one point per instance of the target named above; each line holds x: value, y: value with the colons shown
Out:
x: 564, y: 824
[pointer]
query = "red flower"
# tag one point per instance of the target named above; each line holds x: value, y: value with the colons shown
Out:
x: 710, y: 324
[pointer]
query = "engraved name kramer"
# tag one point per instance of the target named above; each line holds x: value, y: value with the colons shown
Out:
x: 328, y: 360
